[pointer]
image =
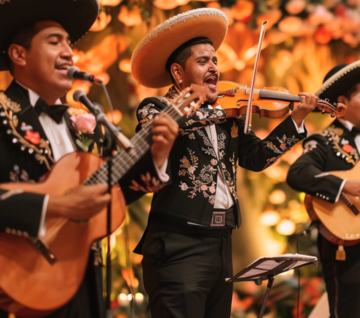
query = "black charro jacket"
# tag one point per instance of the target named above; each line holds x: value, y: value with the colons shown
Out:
x: 194, y: 163
x: 332, y: 149
x: 26, y: 156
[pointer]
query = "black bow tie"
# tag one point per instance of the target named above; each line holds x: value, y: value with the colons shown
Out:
x: 355, y: 131
x: 56, y: 112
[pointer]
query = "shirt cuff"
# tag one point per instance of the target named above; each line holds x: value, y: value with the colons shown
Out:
x: 161, y: 172
x: 340, y: 190
x: 42, y: 226
x: 300, y: 129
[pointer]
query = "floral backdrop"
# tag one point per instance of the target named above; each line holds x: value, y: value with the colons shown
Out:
x: 304, y: 40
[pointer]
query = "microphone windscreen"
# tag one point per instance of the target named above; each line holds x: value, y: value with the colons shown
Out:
x: 71, y: 71
x: 78, y: 94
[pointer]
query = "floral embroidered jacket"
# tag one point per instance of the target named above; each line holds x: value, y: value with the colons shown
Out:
x: 194, y: 163
x: 26, y: 156
x: 332, y: 149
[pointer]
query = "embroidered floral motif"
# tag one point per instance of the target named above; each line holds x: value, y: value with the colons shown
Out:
x: 334, y: 136
x: 310, y: 145
x: 8, y: 104
x: 348, y: 148
x: 285, y: 144
x: 146, y: 115
x: 221, y: 141
x: 151, y: 184
x: 172, y: 93
x: 231, y: 182
x: 210, y: 149
x: 271, y: 161
x: 203, y: 183
x: 32, y: 139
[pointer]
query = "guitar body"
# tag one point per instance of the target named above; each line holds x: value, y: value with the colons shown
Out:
x: 29, y: 285
x: 339, y: 224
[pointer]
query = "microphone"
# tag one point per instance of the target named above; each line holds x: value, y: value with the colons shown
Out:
x: 74, y: 73
x: 121, y: 140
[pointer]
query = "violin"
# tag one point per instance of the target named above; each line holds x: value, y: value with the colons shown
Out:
x: 270, y: 102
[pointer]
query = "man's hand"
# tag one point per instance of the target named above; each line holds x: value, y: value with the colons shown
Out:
x: 80, y: 204
x: 306, y: 105
x: 164, y: 131
x: 352, y: 187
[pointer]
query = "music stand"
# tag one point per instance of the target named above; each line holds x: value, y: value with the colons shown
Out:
x: 266, y: 268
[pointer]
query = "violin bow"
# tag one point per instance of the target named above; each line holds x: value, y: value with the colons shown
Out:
x: 248, y: 118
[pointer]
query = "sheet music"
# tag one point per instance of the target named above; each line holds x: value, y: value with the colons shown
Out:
x: 264, y: 266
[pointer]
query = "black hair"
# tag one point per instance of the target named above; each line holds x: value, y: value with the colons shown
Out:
x: 183, y: 52
x: 22, y: 37
x: 350, y: 90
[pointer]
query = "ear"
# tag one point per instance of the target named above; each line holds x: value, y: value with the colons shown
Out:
x: 17, y: 54
x: 342, y: 99
x: 177, y: 73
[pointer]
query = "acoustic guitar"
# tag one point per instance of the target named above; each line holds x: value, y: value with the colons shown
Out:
x: 339, y: 222
x: 32, y: 285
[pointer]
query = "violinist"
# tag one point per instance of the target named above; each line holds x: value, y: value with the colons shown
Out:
x: 335, y: 148
x: 186, y: 247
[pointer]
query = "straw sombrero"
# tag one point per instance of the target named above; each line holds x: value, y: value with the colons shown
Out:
x: 150, y: 55
x: 338, y: 80
x: 75, y: 16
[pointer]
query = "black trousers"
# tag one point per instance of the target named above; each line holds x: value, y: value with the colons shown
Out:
x: 342, y: 279
x: 184, y: 274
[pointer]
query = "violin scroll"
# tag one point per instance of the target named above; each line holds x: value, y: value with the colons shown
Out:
x: 335, y: 110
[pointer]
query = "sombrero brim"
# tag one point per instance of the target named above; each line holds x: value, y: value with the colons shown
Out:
x: 150, y: 55
x: 337, y: 84
x: 76, y: 17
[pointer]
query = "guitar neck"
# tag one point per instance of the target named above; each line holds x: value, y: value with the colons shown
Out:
x: 124, y: 160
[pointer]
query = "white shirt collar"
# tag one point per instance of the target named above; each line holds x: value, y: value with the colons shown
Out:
x: 33, y: 97
x: 346, y: 124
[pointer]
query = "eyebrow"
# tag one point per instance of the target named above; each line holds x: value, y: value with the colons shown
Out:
x: 58, y: 35
x: 207, y: 57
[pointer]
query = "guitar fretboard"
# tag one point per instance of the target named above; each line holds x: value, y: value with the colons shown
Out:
x: 124, y: 160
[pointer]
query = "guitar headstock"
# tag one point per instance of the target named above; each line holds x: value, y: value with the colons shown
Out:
x: 190, y: 99
x: 336, y: 109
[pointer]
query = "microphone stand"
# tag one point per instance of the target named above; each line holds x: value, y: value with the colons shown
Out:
x: 125, y: 143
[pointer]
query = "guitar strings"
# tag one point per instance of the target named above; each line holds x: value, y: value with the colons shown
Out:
x: 123, y: 160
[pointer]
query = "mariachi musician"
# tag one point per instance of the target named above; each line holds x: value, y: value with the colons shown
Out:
x: 187, y: 244
x: 335, y: 148
x: 35, y: 45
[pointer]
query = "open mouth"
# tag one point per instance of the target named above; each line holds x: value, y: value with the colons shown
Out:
x: 62, y: 68
x: 211, y: 82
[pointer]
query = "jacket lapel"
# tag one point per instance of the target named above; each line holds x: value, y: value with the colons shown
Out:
x: 26, y: 127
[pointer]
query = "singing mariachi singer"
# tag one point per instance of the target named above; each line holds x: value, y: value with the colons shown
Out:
x: 336, y: 196
x: 187, y: 244
x: 35, y: 46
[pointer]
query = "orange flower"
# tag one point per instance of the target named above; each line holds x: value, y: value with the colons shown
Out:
x: 33, y: 137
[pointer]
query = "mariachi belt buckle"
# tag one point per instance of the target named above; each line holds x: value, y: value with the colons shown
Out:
x: 218, y: 218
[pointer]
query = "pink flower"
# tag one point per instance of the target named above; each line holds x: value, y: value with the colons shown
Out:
x: 283, y: 146
x: 84, y: 123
